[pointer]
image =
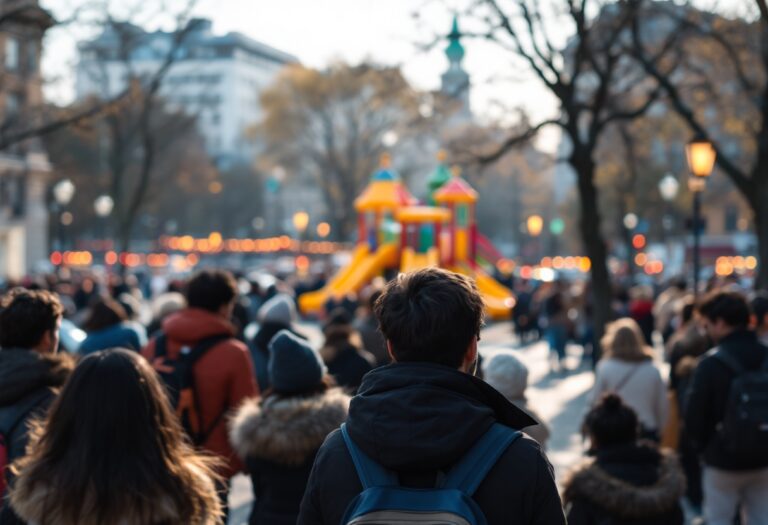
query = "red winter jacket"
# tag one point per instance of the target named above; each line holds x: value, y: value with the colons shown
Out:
x: 224, y: 376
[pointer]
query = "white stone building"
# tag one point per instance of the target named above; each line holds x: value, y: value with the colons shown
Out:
x: 216, y: 78
x: 24, y: 167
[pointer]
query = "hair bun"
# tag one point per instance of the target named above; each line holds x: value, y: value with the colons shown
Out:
x: 611, y: 401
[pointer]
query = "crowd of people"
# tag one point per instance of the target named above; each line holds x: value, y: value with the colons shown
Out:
x: 132, y: 401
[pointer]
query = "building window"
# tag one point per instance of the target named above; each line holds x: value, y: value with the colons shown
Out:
x: 12, y: 104
x: 32, y: 51
x: 731, y: 219
x: 11, y: 53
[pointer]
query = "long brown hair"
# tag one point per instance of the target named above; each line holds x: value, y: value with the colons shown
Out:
x: 624, y: 340
x: 111, y: 451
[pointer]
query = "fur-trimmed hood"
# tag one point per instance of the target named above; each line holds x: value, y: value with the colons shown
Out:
x: 590, y: 481
x: 25, y: 371
x: 287, y: 430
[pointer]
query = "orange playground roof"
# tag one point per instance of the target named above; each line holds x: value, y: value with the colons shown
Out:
x: 384, y: 194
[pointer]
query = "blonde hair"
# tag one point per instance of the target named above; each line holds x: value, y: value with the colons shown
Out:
x: 624, y: 340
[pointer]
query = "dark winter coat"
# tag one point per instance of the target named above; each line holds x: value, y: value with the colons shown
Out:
x: 278, y: 439
x: 627, y: 485
x: 419, y: 419
x: 345, y: 361
x: 708, y: 396
x: 28, y: 384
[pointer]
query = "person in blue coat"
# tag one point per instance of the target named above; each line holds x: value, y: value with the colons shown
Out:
x: 108, y: 326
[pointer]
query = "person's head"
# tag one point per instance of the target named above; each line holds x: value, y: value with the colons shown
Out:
x: 111, y: 447
x: 338, y: 325
x: 294, y: 367
x: 278, y: 310
x: 104, y: 313
x: 431, y: 315
x: 30, y: 319
x: 212, y: 290
x: 507, y: 374
x: 759, y: 306
x: 624, y: 340
x: 611, y: 423
x: 723, y: 312
x: 687, y: 310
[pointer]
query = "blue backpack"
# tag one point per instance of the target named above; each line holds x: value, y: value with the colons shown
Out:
x: 384, y: 502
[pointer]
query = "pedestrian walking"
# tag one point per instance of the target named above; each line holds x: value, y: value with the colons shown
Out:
x: 276, y: 314
x: 687, y: 345
x: 624, y: 481
x: 367, y: 326
x: 31, y: 372
x: 507, y: 374
x: 342, y: 351
x: 426, y: 422
x: 557, y: 323
x: 201, y: 338
x: 111, y: 451
x: 725, y: 414
x: 627, y: 369
x: 278, y: 436
x: 108, y: 326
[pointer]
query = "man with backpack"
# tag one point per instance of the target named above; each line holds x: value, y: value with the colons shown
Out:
x: 207, y: 372
x: 425, y: 439
x: 726, y: 414
x: 30, y: 372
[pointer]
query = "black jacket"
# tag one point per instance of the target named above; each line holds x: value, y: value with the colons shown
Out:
x: 347, y: 363
x: 627, y: 485
x: 278, y: 439
x: 27, y: 387
x: 418, y: 419
x: 708, y: 396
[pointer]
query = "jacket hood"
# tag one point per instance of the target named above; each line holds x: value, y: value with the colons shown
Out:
x: 423, y: 416
x: 287, y: 430
x: 598, y: 482
x: 192, y: 324
x: 24, y: 371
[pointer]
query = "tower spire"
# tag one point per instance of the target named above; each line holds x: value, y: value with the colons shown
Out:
x: 455, y: 81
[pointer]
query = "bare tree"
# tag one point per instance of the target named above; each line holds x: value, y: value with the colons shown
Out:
x: 596, y: 82
x: 744, y: 48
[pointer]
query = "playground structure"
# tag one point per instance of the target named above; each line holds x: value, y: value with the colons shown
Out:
x: 396, y: 234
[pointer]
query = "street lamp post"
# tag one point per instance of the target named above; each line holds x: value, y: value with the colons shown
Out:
x: 103, y: 206
x: 668, y: 188
x: 63, y: 192
x: 701, y: 158
x: 300, y: 223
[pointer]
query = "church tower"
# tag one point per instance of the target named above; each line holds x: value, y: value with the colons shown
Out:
x: 455, y: 81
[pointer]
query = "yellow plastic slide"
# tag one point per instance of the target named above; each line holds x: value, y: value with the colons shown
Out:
x: 499, y: 300
x: 363, y: 267
x: 412, y: 261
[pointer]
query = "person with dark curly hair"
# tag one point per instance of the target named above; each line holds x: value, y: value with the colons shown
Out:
x: 625, y: 480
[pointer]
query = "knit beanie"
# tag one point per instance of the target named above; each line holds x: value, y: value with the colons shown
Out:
x: 293, y: 366
x: 279, y: 309
x: 507, y: 374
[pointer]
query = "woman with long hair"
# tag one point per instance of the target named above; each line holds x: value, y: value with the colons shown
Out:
x: 627, y: 369
x: 108, y: 326
x: 111, y: 451
x: 278, y: 435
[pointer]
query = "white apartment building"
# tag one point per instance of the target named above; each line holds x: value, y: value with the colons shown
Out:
x: 216, y: 78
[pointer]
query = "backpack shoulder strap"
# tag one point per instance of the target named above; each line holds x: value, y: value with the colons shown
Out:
x: 203, y: 345
x: 161, y: 345
x: 371, y: 474
x: 730, y: 361
x: 470, y: 471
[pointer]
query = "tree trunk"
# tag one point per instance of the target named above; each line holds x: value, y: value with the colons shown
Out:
x: 589, y: 225
x: 760, y: 212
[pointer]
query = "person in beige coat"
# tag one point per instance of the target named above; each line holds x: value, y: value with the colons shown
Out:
x: 627, y: 369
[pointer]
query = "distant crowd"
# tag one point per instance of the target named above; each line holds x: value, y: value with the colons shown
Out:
x: 137, y: 400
